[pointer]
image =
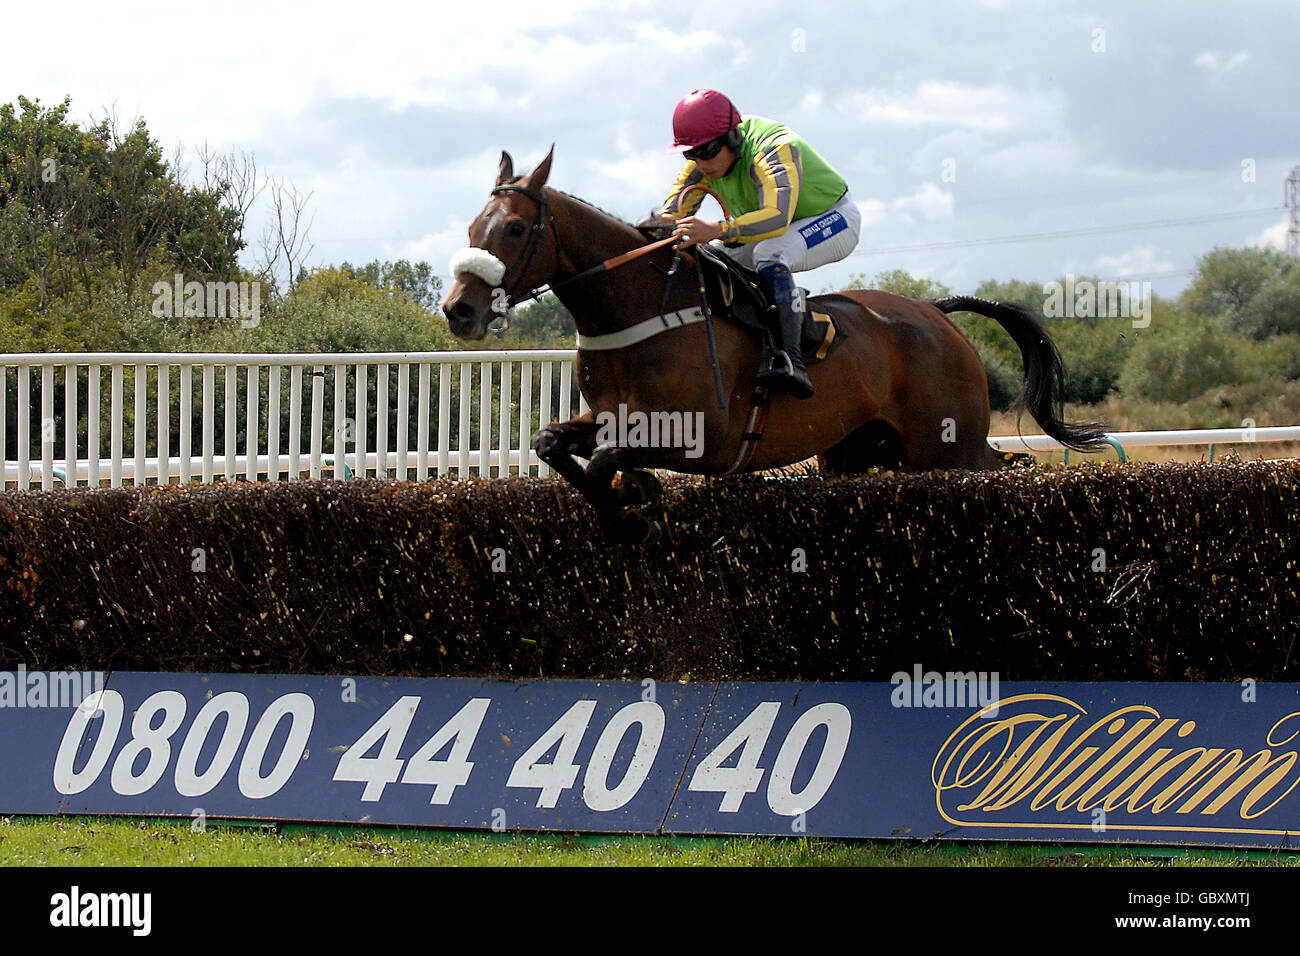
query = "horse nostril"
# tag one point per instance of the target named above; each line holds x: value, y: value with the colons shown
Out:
x: 461, y: 310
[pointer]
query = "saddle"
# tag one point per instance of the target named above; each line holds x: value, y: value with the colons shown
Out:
x: 746, y: 303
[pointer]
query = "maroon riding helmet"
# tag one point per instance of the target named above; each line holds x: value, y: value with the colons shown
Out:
x: 701, y: 117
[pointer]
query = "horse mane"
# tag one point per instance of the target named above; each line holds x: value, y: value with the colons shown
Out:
x: 592, y: 205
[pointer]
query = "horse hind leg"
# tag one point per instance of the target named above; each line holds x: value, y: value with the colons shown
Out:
x: 1011, y: 459
x: 984, y: 457
x: 873, y: 445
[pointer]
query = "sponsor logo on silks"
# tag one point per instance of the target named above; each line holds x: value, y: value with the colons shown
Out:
x: 825, y: 227
x: 1045, y: 763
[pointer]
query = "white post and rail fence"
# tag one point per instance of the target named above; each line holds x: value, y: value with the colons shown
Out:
x: 100, y: 418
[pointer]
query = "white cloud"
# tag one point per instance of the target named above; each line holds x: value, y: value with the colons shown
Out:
x: 1140, y: 260
x: 435, y: 248
x: 1031, y: 158
x: 866, y: 160
x: 369, y: 111
x: 929, y: 202
x: 226, y: 78
x: 1216, y: 61
x: 872, y: 210
x: 1273, y: 237
x: 696, y: 42
x: 962, y: 146
x: 636, y: 170
x: 997, y: 108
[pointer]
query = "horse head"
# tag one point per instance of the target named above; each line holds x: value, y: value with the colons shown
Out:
x: 513, y: 249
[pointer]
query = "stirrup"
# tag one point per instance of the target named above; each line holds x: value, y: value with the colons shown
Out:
x: 788, y: 377
x: 782, y: 369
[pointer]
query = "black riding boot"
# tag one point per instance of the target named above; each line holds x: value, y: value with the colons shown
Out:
x: 787, y: 370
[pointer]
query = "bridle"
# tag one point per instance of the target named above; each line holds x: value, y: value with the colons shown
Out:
x: 525, y: 261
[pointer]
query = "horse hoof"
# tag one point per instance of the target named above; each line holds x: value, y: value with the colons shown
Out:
x: 654, y: 533
x: 637, y: 487
x: 635, y: 529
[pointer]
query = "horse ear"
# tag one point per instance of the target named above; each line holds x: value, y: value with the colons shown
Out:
x: 506, y: 171
x: 537, y: 178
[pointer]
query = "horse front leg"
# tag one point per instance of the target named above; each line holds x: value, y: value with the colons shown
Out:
x: 558, y: 443
x: 618, y: 501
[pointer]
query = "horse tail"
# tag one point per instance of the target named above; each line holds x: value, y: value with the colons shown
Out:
x: 1044, y: 373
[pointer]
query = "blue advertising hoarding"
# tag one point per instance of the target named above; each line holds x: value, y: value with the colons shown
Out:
x: 951, y: 756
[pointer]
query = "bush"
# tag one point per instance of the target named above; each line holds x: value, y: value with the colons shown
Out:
x: 1179, y: 357
x: 1094, y: 356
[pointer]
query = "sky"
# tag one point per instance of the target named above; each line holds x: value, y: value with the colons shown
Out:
x: 1084, y: 136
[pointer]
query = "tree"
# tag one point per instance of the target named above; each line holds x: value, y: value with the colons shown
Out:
x: 202, y: 237
x: 543, y: 323
x: 1226, y: 280
x: 52, y: 186
x: 289, y: 238
x: 78, y: 205
x: 901, y: 282
x: 139, y: 199
x: 1274, y: 309
x: 235, y: 178
x: 1094, y: 357
x: 331, y: 310
x: 1020, y: 292
x: 416, y: 281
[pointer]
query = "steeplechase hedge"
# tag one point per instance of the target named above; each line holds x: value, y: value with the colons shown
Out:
x: 1092, y: 572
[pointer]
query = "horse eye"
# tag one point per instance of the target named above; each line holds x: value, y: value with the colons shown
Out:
x: 515, y: 229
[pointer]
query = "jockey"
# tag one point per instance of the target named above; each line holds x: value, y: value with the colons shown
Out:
x: 791, y: 211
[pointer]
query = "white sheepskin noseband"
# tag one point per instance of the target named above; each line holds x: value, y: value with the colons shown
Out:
x: 478, y: 262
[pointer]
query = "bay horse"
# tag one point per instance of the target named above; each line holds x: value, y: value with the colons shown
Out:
x: 905, y: 390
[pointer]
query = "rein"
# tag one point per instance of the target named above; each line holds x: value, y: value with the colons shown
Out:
x: 530, y: 250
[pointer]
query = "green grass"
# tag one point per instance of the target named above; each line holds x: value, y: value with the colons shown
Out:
x: 94, y: 841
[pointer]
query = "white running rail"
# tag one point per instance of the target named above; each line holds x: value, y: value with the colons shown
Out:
x: 385, y: 414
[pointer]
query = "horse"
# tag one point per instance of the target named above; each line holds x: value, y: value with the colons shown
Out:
x: 905, y: 389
